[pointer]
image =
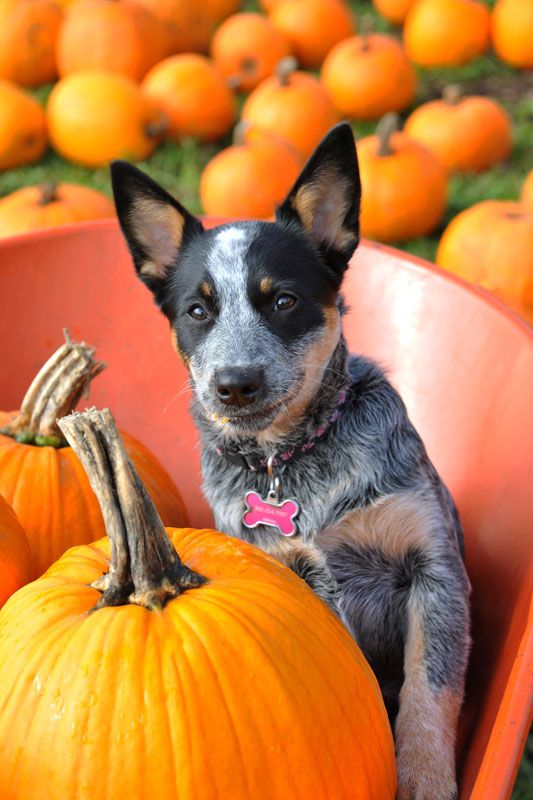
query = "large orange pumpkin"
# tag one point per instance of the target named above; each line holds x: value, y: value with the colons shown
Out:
x: 368, y: 75
x: 246, y: 49
x: 28, y: 34
x: 49, y: 205
x: 466, y: 134
x: 95, y: 116
x: 15, y: 554
x: 104, y: 34
x: 250, y: 178
x: 206, y: 669
x: 42, y: 478
x: 393, y: 10
x: 512, y: 32
x: 491, y: 244
x: 526, y: 195
x: 193, y: 94
x: 446, y: 32
x: 312, y: 27
x: 403, y: 185
x: 23, y: 136
x: 292, y: 105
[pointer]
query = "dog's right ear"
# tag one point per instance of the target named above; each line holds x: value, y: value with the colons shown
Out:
x: 154, y: 224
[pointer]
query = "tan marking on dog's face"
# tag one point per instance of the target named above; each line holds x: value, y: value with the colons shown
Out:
x: 206, y: 290
x: 322, y: 206
x: 425, y: 727
x: 158, y: 227
x: 175, y: 345
x: 314, y: 364
x: 394, y: 525
x: 265, y: 285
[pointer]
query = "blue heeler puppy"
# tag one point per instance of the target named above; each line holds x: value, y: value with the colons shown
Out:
x: 285, y: 413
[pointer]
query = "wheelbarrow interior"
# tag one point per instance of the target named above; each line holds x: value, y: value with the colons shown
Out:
x: 463, y: 364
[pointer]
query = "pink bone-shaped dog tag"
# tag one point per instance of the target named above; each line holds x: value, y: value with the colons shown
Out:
x: 277, y: 515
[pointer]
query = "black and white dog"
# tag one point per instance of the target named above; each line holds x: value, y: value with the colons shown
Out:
x: 337, y: 482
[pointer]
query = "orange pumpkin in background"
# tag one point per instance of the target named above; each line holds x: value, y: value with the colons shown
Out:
x: 51, y: 204
x: 441, y: 33
x: 103, y: 34
x: 250, y: 178
x: 491, y: 245
x: 292, y: 105
x: 526, y: 196
x: 15, y: 553
x: 366, y: 76
x: 394, y: 11
x: 23, y: 137
x: 190, y: 24
x: 191, y: 91
x: 28, y: 34
x: 403, y: 185
x: 312, y: 27
x: 466, y: 134
x: 512, y: 32
x: 246, y: 49
x: 41, y: 477
x: 95, y: 116
x: 169, y: 639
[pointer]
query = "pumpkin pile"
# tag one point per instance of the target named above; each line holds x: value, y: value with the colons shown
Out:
x: 134, y: 77
x: 191, y: 659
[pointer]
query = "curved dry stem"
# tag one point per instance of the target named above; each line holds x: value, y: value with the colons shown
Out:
x: 54, y: 392
x: 48, y: 193
x: 452, y: 94
x: 145, y: 568
x: 387, y: 125
x: 284, y: 69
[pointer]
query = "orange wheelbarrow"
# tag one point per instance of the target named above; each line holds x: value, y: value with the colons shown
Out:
x: 462, y: 361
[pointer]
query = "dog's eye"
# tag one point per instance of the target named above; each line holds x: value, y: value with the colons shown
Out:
x: 284, y: 302
x: 197, y: 312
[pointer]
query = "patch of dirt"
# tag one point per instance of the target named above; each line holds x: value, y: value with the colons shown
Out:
x: 507, y: 88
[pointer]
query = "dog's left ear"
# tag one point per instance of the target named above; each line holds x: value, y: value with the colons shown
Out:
x: 326, y: 198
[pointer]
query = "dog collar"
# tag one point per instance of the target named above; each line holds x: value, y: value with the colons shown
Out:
x: 253, y: 462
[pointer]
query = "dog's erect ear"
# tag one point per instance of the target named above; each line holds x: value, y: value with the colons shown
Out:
x: 325, y: 199
x: 154, y: 223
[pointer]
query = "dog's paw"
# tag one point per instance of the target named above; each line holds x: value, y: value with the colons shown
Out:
x: 425, y: 781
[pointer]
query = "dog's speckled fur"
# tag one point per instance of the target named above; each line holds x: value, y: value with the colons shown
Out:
x: 378, y: 534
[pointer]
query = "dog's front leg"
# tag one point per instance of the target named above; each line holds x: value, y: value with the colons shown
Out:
x: 437, y: 646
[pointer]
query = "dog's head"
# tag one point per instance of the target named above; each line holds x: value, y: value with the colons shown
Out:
x: 252, y: 305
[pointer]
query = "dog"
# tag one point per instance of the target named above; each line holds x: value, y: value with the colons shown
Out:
x: 307, y: 451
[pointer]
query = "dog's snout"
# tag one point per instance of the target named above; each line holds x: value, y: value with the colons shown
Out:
x: 239, y: 387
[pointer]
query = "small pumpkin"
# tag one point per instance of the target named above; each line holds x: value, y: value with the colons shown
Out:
x: 526, y: 195
x: 249, y: 179
x: 512, y: 32
x: 368, y: 75
x: 42, y: 478
x: 193, y: 95
x: 167, y: 637
x: 491, y: 245
x: 49, y: 205
x: 95, y: 116
x: 312, y: 27
x: 395, y: 11
x: 446, y: 33
x: 190, y: 24
x: 292, y: 105
x: 15, y: 554
x: 23, y: 137
x: 246, y: 49
x: 403, y: 185
x: 103, y: 34
x: 466, y: 134
x: 28, y: 35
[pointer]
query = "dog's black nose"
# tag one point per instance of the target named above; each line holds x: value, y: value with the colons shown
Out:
x: 239, y: 387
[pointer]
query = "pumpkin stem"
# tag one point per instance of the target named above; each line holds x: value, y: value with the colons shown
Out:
x: 366, y: 28
x: 54, y: 392
x: 452, y: 94
x: 157, y: 127
x: 48, y: 190
x: 284, y: 69
x: 387, y: 125
x: 145, y: 569
x: 239, y: 133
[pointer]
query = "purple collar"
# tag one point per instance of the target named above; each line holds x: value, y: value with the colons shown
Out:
x: 254, y: 461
